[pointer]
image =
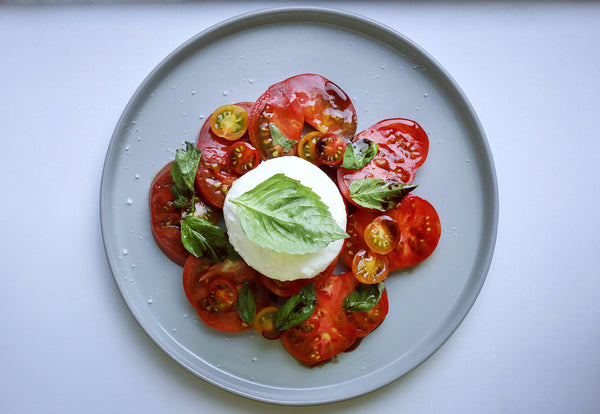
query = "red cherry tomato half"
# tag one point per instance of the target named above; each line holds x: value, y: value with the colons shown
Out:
x: 325, y: 106
x: 263, y: 323
x: 420, y: 230
x: 307, y: 147
x: 165, y: 217
x: 229, y: 122
x: 329, y: 330
x: 331, y: 149
x: 382, y: 235
x: 403, y: 147
x: 208, y: 286
x: 215, y: 175
x: 369, y: 267
x: 243, y: 157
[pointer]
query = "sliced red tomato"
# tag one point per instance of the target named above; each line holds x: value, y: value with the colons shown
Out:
x: 420, y: 231
x: 307, y: 147
x: 366, y: 322
x: 403, y: 147
x: 328, y: 331
x: 165, y: 217
x: 215, y: 175
x: 243, y: 157
x: 229, y: 122
x: 275, y: 107
x: 325, y: 106
x: 208, y: 288
x: 330, y: 149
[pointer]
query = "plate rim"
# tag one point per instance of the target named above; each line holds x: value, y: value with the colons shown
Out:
x: 327, y: 16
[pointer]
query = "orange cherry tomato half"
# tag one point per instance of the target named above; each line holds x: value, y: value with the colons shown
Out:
x: 307, y: 147
x: 229, y: 122
x: 221, y: 295
x: 382, y: 235
x: 242, y: 157
x: 369, y: 267
x: 331, y: 149
x: 263, y: 323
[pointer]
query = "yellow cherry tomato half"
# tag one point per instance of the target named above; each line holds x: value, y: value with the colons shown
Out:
x: 263, y: 323
x: 369, y: 267
x: 382, y: 235
x: 229, y: 122
x: 307, y: 147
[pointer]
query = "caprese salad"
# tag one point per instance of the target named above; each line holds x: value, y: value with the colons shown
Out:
x: 297, y: 189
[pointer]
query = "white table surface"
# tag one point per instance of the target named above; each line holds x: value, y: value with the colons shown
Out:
x: 531, y: 343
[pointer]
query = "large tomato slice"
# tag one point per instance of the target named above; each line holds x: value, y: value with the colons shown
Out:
x: 328, y: 331
x: 420, y: 231
x: 208, y: 288
x: 275, y: 106
x: 403, y: 147
x: 215, y: 175
x: 165, y: 217
x: 325, y: 106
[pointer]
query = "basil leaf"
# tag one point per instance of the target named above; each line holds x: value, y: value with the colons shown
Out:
x: 363, y: 298
x: 203, y: 239
x: 359, y: 153
x: 246, y: 305
x: 378, y: 194
x: 298, y: 308
x: 280, y: 139
x: 283, y: 215
x: 185, y: 166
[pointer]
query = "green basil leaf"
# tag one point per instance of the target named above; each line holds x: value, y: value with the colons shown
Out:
x: 206, y: 240
x: 280, y: 139
x: 283, y: 215
x: 246, y: 305
x: 185, y: 166
x: 298, y: 308
x: 359, y: 153
x: 378, y: 194
x: 363, y: 298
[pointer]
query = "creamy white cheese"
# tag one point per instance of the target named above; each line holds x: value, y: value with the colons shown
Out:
x: 276, y: 265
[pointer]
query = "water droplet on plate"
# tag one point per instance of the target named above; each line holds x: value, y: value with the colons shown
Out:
x: 129, y: 201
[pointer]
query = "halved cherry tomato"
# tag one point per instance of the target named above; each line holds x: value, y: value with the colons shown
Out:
x: 275, y: 106
x: 382, y: 235
x: 307, y: 147
x: 329, y: 330
x: 165, y: 216
x: 243, y: 157
x: 215, y: 176
x: 369, y: 267
x: 229, y: 122
x: 403, y: 147
x: 207, y: 287
x: 331, y: 149
x: 420, y: 229
x: 263, y: 323
x: 325, y: 106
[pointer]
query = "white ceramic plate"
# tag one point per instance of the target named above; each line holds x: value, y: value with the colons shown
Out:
x: 386, y: 75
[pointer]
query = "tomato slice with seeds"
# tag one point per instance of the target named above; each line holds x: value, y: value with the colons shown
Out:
x: 382, y: 235
x: 403, y: 148
x: 215, y: 175
x: 307, y: 147
x: 243, y: 157
x: 229, y: 122
x: 330, y: 149
x: 208, y: 287
x: 329, y: 330
x: 275, y: 106
x: 165, y: 216
x: 420, y: 230
x: 369, y: 267
x: 325, y: 106
x: 263, y: 323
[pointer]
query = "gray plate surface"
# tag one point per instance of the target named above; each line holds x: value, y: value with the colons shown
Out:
x: 386, y: 76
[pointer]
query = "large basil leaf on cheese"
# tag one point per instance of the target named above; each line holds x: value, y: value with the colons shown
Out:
x: 283, y: 215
